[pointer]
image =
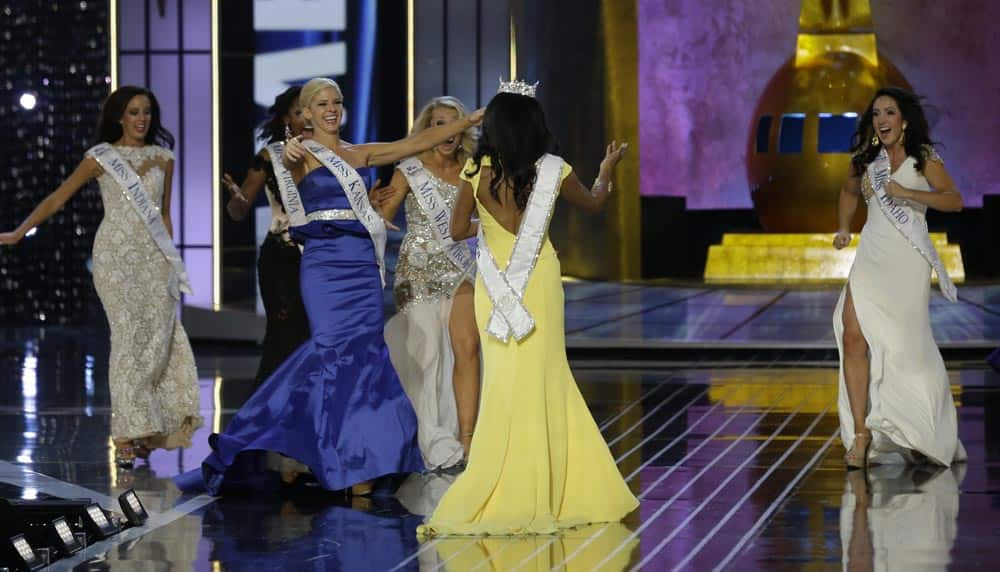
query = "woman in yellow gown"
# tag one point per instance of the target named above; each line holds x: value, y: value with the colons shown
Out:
x: 538, y: 462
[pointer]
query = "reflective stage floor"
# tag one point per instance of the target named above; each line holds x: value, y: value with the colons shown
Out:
x: 737, y: 467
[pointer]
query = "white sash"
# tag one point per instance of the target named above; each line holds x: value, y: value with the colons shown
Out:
x: 436, y: 211
x: 506, y: 289
x: 912, y: 227
x: 357, y: 194
x: 131, y: 184
x: 290, y: 198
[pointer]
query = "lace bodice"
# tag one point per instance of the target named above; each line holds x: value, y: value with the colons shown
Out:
x: 148, y: 162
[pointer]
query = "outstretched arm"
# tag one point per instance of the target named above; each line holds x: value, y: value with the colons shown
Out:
x: 86, y: 170
x: 594, y: 199
x: 462, y: 226
x: 378, y: 154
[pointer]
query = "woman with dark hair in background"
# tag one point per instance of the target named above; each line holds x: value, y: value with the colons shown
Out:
x: 538, y: 462
x: 895, y: 400
x: 138, y: 274
x: 280, y: 258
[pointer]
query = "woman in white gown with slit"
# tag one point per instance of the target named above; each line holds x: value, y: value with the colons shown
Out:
x: 895, y: 401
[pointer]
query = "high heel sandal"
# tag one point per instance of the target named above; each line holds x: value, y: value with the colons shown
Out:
x: 141, y: 450
x: 851, y: 457
x: 362, y: 489
x: 124, y: 456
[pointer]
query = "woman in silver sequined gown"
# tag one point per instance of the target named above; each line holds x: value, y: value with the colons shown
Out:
x: 152, y: 375
x: 433, y: 340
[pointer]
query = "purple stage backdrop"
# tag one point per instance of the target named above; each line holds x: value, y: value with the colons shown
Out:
x: 703, y: 66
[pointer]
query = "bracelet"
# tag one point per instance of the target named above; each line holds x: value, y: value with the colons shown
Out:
x: 599, y: 184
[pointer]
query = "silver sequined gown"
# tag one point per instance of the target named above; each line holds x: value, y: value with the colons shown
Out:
x: 417, y: 336
x: 424, y: 272
x: 152, y: 375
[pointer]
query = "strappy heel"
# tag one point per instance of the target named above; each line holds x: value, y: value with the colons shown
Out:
x: 124, y: 456
x: 142, y: 451
x: 852, y: 459
x: 363, y: 489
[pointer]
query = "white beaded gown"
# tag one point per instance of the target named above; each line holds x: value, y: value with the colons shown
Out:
x: 418, y: 336
x: 911, y: 412
x: 152, y: 376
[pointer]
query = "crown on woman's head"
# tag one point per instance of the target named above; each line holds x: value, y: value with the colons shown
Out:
x: 517, y: 86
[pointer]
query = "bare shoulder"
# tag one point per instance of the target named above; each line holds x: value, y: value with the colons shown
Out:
x: 356, y: 154
x: 931, y: 155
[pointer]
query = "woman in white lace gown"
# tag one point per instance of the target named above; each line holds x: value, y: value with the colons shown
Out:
x: 433, y: 340
x: 152, y: 375
x: 895, y: 401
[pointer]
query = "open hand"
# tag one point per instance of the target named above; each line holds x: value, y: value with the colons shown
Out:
x: 379, y: 196
x: 842, y: 239
x: 233, y: 188
x: 612, y: 155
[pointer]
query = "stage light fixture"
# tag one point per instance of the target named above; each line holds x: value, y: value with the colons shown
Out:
x: 28, y: 100
x: 24, y: 557
x: 96, y: 522
x: 63, y: 538
x: 132, y: 507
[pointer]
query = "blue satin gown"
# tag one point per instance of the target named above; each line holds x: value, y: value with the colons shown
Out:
x: 336, y: 404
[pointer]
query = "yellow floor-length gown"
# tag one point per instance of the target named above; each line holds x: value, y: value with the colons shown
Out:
x: 538, y: 461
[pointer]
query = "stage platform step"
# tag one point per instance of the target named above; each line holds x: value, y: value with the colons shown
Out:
x: 665, y: 320
x: 772, y: 258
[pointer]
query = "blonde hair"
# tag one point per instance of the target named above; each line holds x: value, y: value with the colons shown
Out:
x: 468, y: 142
x: 314, y: 86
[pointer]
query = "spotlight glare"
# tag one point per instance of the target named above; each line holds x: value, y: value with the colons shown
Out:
x: 28, y: 100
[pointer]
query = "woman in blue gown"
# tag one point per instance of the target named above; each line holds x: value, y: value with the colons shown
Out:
x: 336, y: 404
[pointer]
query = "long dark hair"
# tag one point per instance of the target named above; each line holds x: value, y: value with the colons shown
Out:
x: 916, y: 135
x: 514, y: 137
x: 109, y: 127
x: 272, y: 129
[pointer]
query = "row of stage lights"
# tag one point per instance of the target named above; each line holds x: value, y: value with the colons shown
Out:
x: 40, y: 532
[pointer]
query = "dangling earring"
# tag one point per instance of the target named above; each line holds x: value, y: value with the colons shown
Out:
x: 902, y: 135
x: 288, y: 132
x: 874, y: 140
